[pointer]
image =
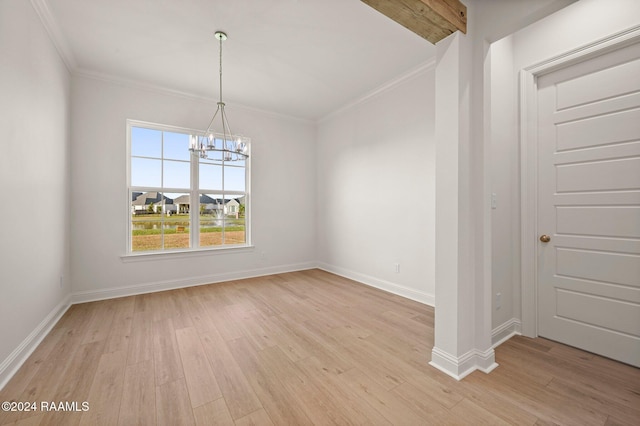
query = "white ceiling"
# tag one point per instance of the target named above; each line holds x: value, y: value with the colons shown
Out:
x: 304, y: 58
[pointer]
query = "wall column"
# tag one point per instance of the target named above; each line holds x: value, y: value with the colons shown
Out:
x: 462, y: 334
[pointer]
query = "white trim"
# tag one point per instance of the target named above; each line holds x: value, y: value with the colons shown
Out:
x: 132, y: 290
x: 582, y: 53
x: 528, y: 160
x: 506, y: 331
x: 14, y: 361
x: 193, y: 192
x: 528, y: 203
x: 389, y: 287
x: 140, y: 85
x: 184, y: 254
x: 460, y: 367
x: 50, y: 25
x: 426, y: 66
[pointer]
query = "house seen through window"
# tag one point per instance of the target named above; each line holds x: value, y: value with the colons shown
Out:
x: 179, y: 201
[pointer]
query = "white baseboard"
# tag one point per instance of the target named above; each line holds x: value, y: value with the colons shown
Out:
x: 112, y: 293
x: 409, y: 293
x: 506, y: 331
x: 460, y: 367
x: 14, y: 361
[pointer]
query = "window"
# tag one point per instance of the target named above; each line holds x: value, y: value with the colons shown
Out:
x: 179, y: 201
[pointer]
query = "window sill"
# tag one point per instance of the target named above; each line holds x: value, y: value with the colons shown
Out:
x: 184, y: 254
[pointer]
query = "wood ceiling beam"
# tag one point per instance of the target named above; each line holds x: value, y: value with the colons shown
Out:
x: 430, y: 19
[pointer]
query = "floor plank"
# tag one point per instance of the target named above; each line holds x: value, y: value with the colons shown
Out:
x: 120, y: 333
x: 201, y: 381
x: 240, y: 397
x: 213, y: 413
x: 274, y: 397
x: 257, y: 418
x: 106, y: 391
x: 141, y: 341
x: 138, y: 404
x: 166, y: 355
x: 172, y: 404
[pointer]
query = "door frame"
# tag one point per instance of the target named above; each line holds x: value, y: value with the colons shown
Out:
x: 528, y: 91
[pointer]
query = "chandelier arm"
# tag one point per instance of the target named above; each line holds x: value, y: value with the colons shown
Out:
x: 224, y: 129
x: 225, y: 121
x: 211, y: 122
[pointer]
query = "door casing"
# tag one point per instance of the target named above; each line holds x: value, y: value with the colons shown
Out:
x: 528, y: 162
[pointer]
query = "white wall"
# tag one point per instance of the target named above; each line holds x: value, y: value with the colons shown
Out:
x: 375, y: 192
x: 567, y: 29
x: 283, y: 198
x: 34, y: 142
x: 505, y: 241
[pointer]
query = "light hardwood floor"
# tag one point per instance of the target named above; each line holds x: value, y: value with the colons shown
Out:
x: 299, y: 348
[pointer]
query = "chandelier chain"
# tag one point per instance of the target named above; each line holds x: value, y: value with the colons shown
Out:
x: 220, y: 38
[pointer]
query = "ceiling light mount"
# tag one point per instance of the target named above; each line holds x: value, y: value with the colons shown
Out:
x: 222, y: 146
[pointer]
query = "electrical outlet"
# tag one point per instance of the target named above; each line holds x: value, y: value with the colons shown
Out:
x: 397, y: 267
x: 498, y: 301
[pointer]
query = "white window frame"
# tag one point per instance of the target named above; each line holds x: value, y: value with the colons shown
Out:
x: 194, y: 194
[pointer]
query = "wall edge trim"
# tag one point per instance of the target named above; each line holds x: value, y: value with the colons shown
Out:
x: 460, y: 367
x: 505, y: 331
x: 152, y: 287
x: 424, y: 67
x: 389, y: 287
x: 20, y: 354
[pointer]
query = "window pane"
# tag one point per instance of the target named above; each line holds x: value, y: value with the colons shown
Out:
x: 210, y: 176
x: 159, y: 220
x: 146, y: 142
x: 234, y: 178
x: 211, y: 220
x: 176, y: 226
x: 147, y: 239
x: 145, y: 172
x: 176, y: 146
x: 176, y: 174
x: 146, y: 225
x: 234, y: 230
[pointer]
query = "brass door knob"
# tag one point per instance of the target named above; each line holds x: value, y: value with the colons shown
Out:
x: 545, y: 238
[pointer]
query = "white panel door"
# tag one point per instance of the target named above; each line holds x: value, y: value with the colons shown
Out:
x: 589, y: 205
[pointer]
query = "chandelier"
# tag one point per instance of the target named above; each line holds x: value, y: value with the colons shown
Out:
x: 221, y: 146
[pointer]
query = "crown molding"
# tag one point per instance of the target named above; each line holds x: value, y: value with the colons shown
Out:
x: 412, y: 73
x: 158, y: 89
x: 50, y: 24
